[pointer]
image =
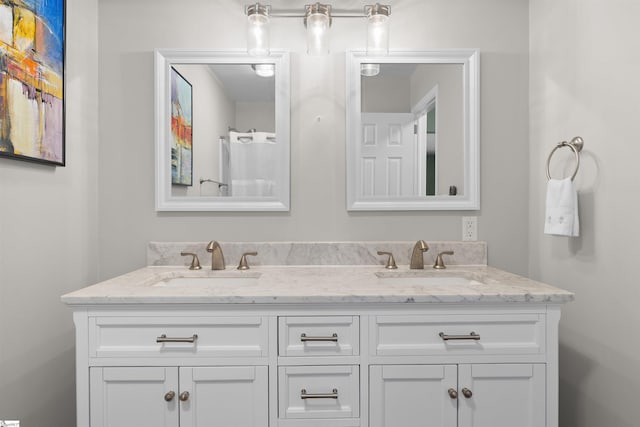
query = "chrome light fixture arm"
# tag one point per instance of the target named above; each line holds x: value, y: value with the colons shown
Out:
x: 317, y: 19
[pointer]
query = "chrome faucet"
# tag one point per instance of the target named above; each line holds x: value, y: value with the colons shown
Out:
x: 217, y: 258
x: 417, y: 261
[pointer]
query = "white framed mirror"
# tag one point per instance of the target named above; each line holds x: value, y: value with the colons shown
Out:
x: 413, y: 139
x: 222, y: 132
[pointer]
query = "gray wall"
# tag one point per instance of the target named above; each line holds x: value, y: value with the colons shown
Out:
x: 48, y: 246
x: 584, y: 81
x: 64, y: 228
x: 131, y: 29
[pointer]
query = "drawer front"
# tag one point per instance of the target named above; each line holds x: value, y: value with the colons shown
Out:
x: 458, y: 334
x: 319, y: 336
x: 320, y: 392
x: 178, y: 337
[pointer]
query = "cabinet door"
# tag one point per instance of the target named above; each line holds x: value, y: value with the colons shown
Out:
x: 134, y: 397
x: 413, y: 396
x: 227, y: 396
x: 502, y: 395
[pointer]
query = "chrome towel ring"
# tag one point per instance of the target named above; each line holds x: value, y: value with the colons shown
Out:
x: 575, y: 145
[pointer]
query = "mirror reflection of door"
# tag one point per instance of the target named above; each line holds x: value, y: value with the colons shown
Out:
x: 388, y: 154
x: 425, y: 118
x: 430, y: 179
x: 412, y: 136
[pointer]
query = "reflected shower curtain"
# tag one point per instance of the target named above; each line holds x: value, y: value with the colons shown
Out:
x: 252, y: 164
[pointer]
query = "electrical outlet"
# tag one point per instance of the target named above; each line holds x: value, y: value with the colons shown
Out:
x: 469, y: 228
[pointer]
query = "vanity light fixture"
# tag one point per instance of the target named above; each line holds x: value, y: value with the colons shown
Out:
x: 317, y: 20
x: 258, y: 29
x: 377, y: 29
x: 264, y: 70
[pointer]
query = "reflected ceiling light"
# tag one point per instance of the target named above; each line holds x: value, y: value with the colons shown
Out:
x: 258, y: 29
x: 377, y: 29
x: 369, y: 70
x: 264, y: 70
x: 317, y: 20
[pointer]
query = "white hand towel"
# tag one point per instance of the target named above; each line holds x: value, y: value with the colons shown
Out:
x: 561, y: 216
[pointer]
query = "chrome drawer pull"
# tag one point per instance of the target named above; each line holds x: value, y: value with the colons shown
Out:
x: 332, y: 395
x: 332, y: 338
x: 471, y: 336
x: 165, y: 338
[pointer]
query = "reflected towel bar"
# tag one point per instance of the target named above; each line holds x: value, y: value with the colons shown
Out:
x: 220, y: 184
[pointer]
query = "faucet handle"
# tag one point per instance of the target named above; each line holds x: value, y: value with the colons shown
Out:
x: 244, y: 265
x: 439, y: 262
x: 391, y: 261
x: 195, y: 262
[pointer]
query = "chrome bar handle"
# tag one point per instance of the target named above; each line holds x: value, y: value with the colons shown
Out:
x: 305, y: 338
x: 471, y: 336
x: 332, y: 395
x: 165, y: 338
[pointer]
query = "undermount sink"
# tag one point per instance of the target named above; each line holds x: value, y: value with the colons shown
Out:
x: 426, y: 278
x: 427, y: 281
x: 209, y: 281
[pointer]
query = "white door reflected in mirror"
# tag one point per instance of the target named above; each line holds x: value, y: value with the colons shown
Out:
x: 412, y: 131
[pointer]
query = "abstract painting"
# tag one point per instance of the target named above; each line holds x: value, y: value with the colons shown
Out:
x: 32, y: 80
x: 181, y: 130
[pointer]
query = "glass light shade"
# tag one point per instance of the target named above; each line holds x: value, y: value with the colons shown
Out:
x: 264, y: 70
x: 257, y: 31
x: 369, y: 70
x: 318, y: 21
x: 378, y: 35
x: 377, y: 29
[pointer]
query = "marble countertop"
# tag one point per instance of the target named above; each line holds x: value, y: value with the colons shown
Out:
x: 319, y: 284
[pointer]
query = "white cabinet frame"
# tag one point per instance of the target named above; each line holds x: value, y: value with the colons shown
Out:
x: 543, y: 357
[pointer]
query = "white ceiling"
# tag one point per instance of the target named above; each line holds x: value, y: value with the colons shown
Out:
x: 242, y: 84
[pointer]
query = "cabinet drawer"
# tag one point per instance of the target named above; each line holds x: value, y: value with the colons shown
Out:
x: 319, y: 336
x: 178, y: 336
x: 325, y: 392
x: 452, y: 334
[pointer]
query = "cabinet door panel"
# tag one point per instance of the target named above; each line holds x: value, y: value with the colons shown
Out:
x: 224, y: 396
x: 503, y: 395
x: 133, y: 397
x: 412, y: 396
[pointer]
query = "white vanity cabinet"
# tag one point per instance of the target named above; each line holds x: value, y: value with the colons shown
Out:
x: 492, y: 395
x: 464, y: 368
x: 171, y: 368
x: 172, y: 396
x: 318, y: 365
